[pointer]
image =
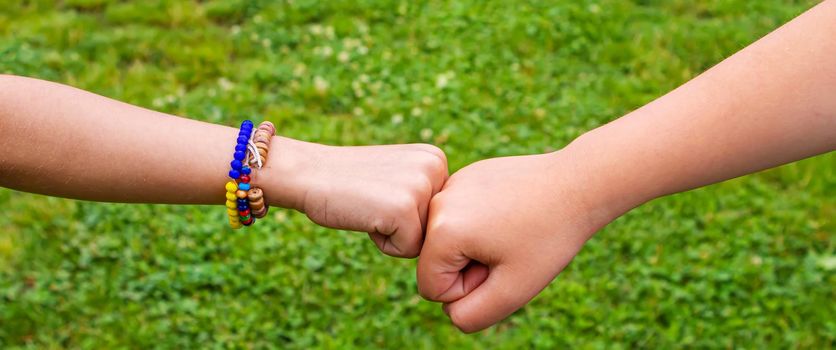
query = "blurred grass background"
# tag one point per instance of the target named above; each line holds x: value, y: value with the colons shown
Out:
x: 747, y: 263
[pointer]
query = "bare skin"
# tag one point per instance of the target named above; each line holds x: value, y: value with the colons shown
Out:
x: 503, y: 228
x: 66, y: 142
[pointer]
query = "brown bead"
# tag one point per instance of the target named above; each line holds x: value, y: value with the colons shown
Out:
x: 261, y: 139
x: 262, y: 144
x: 268, y: 126
x: 241, y: 194
x: 255, y: 194
x: 260, y: 213
x: 256, y: 205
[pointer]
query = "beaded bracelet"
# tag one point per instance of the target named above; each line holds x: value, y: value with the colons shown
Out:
x: 245, y: 202
x: 261, y: 146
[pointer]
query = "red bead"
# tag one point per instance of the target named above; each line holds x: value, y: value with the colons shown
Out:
x: 244, y: 212
x: 248, y: 222
x: 245, y: 179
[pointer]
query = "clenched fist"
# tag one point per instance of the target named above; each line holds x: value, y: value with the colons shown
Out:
x: 382, y: 190
x: 499, y: 232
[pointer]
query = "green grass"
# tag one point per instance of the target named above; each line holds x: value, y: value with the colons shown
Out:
x: 748, y: 263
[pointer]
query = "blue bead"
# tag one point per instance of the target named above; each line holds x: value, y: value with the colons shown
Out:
x: 244, y: 187
x: 242, y: 201
x: 246, y: 170
x: 239, y: 155
x: 240, y: 148
x: 242, y: 140
x: 247, y: 122
x: 242, y: 207
x: 236, y: 164
x: 234, y: 174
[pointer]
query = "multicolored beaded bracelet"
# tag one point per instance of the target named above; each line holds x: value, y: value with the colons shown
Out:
x: 245, y: 202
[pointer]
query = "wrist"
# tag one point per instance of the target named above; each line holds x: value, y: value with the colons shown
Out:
x: 605, y: 185
x: 282, y: 177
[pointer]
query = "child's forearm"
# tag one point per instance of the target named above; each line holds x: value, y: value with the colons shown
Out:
x: 772, y: 103
x: 62, y: 141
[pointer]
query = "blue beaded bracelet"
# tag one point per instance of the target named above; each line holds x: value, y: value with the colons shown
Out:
x: 239, y: 172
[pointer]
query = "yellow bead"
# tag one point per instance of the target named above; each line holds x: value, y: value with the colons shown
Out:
x: 231, y: 212
x: 236, y: 226
x: 231, y: 196
x: 231, y: 205
x: 231, y: 186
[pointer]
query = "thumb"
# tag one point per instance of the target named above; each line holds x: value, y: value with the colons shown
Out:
x: 504, y: 291
x: 445, y: 273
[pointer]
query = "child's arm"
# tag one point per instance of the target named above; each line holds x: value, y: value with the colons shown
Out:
x: 62, y: 141
x: 524, y: 218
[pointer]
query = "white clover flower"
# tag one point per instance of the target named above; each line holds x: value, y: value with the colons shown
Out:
x: 299, y: 69
x: 351, y: 43
x: 315, y: 29
x: 266, y: 42
x: 158, y: 102
x: 426, y: 100
x: 539, y: 113
x: 225, y: 84
x: 416, y: 111
x: 235, y: 30
x: 426, y: 134
x: 343, y: 56
x: 320, y: 84
x: 376, y: 86
x: 397, y: 119
x: 364, y: 78
x: 441, y: 81
x: 362, y: 50
x: 357, y: 111
x: 327, y: 51
x: 359, y: 93
x: 329, y: 32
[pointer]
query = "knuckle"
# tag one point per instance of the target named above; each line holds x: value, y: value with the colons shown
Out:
x: 403, y: 205
x: 436, y: 159
x: 422, y: 185
x: 433, y: 149
x: 410, y: 251
x: 445, y: 226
